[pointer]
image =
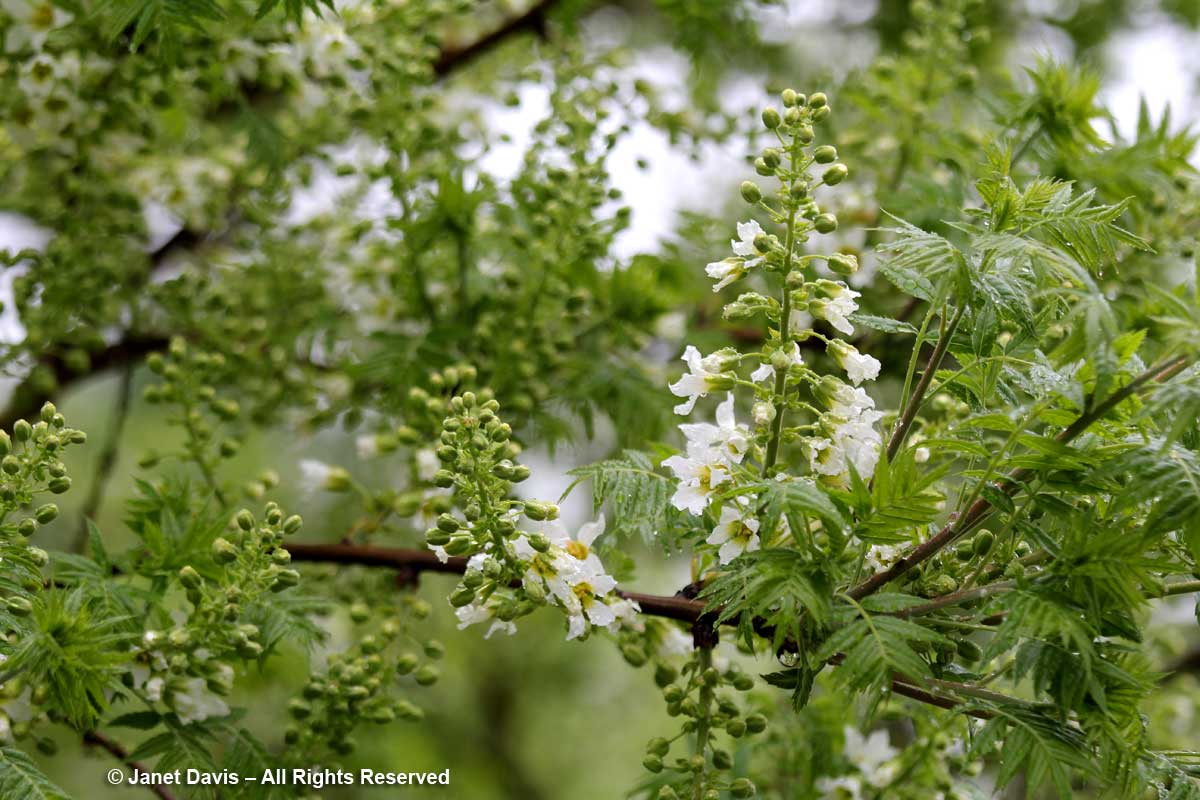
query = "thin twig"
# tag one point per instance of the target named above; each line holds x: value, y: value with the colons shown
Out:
x: 119, y: 752
x: 918, y: 394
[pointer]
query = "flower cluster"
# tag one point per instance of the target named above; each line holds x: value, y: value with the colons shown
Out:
x: 697, y: 694
x: 189, y: 666
x: 840, y: 435
x: 510, y: 571
x: 357, y: 684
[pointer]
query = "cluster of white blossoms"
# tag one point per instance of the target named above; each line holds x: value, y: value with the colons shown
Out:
x: 844, y: 437
x: 712, y: 451
x: 875, y: 767
x: 191, y: 697
x: 849, y: 434
x: 561, y: 569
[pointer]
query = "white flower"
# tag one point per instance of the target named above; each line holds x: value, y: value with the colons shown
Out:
x: 735, y: 534
x: 154, y: 689
x: 725, y: 271
x: 872, y: 755
x: 703, y: 376
x: 728, y: 436
x: 744, y: 244
x: 851, y: 436
x: 193, y: 702
x: 427, y: 463
x: 837, y: 305
x: 846, y: 787
x: 881, y: 556
x: 476, y: 612
x: 799, y: 322
x: 699, y: 475
x: 763, y: 413
x: 858, y: 367
x: 766, y: 370
x: 32, y: 23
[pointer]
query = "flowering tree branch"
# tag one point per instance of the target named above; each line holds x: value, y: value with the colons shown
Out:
x: 412, y: 562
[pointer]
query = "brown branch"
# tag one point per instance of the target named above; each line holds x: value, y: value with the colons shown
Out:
x: 118, y: 751
x: 982, y: 507
x: 412, y: 562
x: 918, y: 393
x: 533, y: 20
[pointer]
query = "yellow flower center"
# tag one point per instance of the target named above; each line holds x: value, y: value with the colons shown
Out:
x: 584, y: 592
x: 577, y: 549
x: 542, y: 566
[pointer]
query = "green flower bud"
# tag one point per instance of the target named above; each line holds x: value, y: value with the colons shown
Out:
x: 22, y: 430
x: 697, y: 763
x: 462, y: 596
x: 667, y: 793
x: 285, y: 579
x: 27, y: 527
x: 805, y: 134
x: 11, y: 465
x: 835, y: 174
x: 664, y: 674
x: 721, y: 759
x: 817, y: 100
x: 539, y: 542
x: 983, y: 542
x: 224, y: 551
x: 427, y: 675
x: 437, y: 537
x: 750, y: 192
x: 756, y: 723
x: 535, y: 591
x: 652, y: 763
x: 299, y: 709
x: 409, y: 712
x: 842, y: 263
x: 406, y: 663
x: 435, y: 649
x: 46, y: 514
x: 520, y: 473
x: 460, y: 545
x: 635, y: 656
x: 673, y: 693
x: 190, y: 578
x: 5, y: 443
x: 59, y: 485
x: 742, y: 787
x: 825, y: 154
x: 825, y: 223
x: 448, y: 523
x: 360, y: 612
x: 789, y: 97
x: 736, y: 728
x: 539, y: 511
x: 770, y: 118
x: 244, y: 519
x: 658, y: 746
x: 743, y: 683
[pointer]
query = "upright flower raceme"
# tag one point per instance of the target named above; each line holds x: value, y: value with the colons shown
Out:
x: 794, y: 409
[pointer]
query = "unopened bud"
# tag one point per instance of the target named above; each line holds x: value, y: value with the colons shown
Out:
x: 750, y: 192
